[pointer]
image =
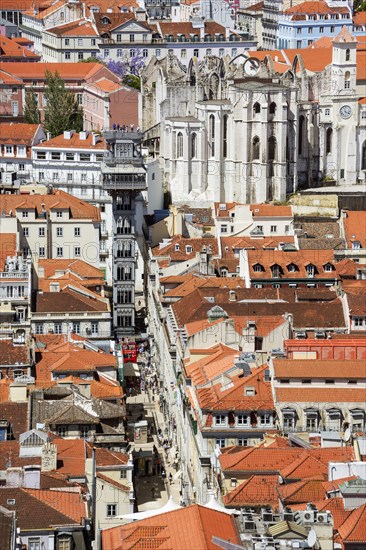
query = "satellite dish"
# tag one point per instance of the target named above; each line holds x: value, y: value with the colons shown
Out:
x: 347, y: 434
x: 311, y: 538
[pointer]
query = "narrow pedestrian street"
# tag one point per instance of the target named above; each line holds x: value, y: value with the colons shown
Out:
x: 155, y: 469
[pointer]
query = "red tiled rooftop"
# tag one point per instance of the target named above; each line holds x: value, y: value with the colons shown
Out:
x: 309, y: 368
x: 253, y: 492
x: 320, y: 395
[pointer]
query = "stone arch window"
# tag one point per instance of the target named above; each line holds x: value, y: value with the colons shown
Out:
x: 347, y: 80
x: 363, y: 157
x: 272, y: 108
x: 256, y: 108
x: 301, y: 133
x: 214, y: 86
x: 256, y: 145
x: 194, y: 145
x: 179, y: 145
x: 328, y: 141
x: 272, y: 148
x: 224, y: 136
x: 348, y: 54
x: 212, y: 134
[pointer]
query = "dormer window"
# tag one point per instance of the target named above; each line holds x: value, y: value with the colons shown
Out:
x: 328, y: 267
x: 188, y: 249
x: 276, y: 271
x: 310, y: 270
x: 249, y: 391
x: 356, y: 245
x: 257, y: 268
x: 220, y: 420
x: 106, y: 21
x: 291, y: 268
x: 177, y: 248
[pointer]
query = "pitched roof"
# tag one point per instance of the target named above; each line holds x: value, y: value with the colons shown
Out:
x: 19, y: 133
x: 71, y: 504
x: 344, y: 35
x: 313, y: 7
x: 75, y: 141
x: 359, y: 19
x: 17, y: 416
x: 355, y: 227
x: 67, y: 71
x: 192, y: 527
x: 175, y: 249
x: 33, y: 513
x: 213, y: 398
x: 67, y: 300
x: 10, y: 49
x: 114, y: 483
x: 270, y: 459
x: 105, y: 457
x: 354, y: 528
x: 78, y: 209
x: 320, y: 395
x: 306, y: 368
x: 301, y: 491
x: 74, y: 28
x: 8, y: 247
x: 11, y: 355
x: 254, y: 491
x: 270, y: 211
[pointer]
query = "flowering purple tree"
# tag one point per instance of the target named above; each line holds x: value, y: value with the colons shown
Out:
x: 127, y: 66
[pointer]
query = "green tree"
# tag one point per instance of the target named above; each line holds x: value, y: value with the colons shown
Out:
x: 133, y: 81
x: 31, y: 111
x: 62, y: 111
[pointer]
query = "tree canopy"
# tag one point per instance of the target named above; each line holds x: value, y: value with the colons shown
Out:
x: 62, y: 111
x: 31, y: 111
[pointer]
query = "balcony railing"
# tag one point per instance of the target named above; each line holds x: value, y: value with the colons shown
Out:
x: 129, y: 181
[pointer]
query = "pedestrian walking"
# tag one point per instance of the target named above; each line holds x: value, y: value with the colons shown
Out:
x: 170, y: 478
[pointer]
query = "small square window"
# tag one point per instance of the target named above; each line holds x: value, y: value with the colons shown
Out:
x: 59, y: 252
x: 76, y: 231
x: 25, y: 214
x: 59, y: 214
x: 77, y: 251
x: 59, y: 232
x: 123, y: 474
x: 26, y: 231
x: 111, y: 510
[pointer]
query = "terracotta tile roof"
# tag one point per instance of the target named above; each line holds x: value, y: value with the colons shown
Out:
x: 209, y: 367
x: 234, y: 398
x: 114, y: 483
x: 11, y: 354
x: 301, y: 491
x: 10, y: 49
x: 17, y: 416
x: 256, y: 7
x: 9, y: 456
x: 107, y: 85
x: 70, y: 504
x: 105, y: 5
x: 8, y: 246
x: 6, y: 78
x: 274, y: 460
x: 78, y: 209
x: 75, y: 28
x: 359, y: 19
x: 192, y: 527
x: 344, y: 35
x: 70, y: 456
x: 305, y: 467
x: 271, y: 211
x: 180, y: 255
x: 355, y: 227
x: 74, y: 142
x: 4, y: 390
x: 186, y: 28
x: 254, y: 492
x: 33, y: 513
x: 257, y: 243
x: 116, y: 20
x: 67, y: 71
x: 332, y: 486
x: 313, y: 63
x: 299, y: 258
x: 23, y: 40
x: 311, y: 7
x: 67, y: 300
x: 194, y: 281
x: 320, y: 395
x: 18, y: 133
x: 81, y: 268
x: 106, y: 457
x: 354, y: 528
x: 306, y: 368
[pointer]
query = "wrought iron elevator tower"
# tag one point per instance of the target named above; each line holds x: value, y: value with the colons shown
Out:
x: 124, y: 177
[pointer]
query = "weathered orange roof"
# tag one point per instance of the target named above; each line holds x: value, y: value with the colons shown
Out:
x: 106, y: 457
x: 78, y: 208
x: 354, y: 528
x: 192, y: 527
x: 8, y: 246
x: 67, y: 71
x: 17, y: 133
x: 270, y: 210
x: 9, y: 48
x: 311, y: 7
x: 74, y: 142
x: 69, y: 503
x: 81, y: 268
x: 359, y: 18
x: 254, y: 491
x: 301, y: 491
x: 107, y: 85
x: 355, y: 227
x: 306, y: 368
x: 320, y: 395
x: 75, y: 28
x: 70, y: 456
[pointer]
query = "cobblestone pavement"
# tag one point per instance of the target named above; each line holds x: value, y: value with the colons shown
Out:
x: 153, y: 491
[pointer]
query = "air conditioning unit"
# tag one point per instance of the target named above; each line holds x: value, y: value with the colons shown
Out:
x: 249, y: 526
x: 322, y: 517
x: 267, y: 517
x: 309, y: 516
x: 10, y: 501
